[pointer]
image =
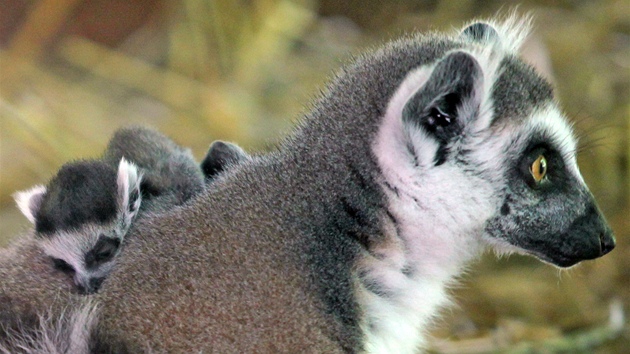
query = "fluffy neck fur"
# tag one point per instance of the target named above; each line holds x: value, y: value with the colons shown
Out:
x: 436, y: 215
x: 383, y: 245
x: 418, y: 224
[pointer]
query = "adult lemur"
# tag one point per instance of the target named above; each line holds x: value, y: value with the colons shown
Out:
x: 344, y: 240
x: 82, y: 215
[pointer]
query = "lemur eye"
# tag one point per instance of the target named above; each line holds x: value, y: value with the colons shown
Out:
x: 62, y: 265
x: 538, y: 169
x: 104, y: 249
x: 103, y: 254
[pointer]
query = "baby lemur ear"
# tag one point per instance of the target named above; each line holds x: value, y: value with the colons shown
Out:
x: 129, y: 196
x: 446, y: 102
x: 29, y: 201
x: 480, y: 32
x: 219, y: 155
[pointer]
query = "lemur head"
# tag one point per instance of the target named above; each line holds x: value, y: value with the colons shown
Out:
x: 219, y: 156
x: 477, y: 132
x: 82, y: 215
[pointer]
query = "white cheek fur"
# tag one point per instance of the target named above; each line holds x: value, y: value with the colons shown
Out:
x: 439, y: 212
x: 72, y: 246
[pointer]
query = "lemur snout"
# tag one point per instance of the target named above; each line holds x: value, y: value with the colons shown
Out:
x: 92, y: 287
x: 589, y: 237
x: 606, y: 242
x: 594, y: 223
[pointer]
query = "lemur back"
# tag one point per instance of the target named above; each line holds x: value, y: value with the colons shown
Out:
x: 345, y: 239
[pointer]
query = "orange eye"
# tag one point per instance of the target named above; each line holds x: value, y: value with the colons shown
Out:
x: 539, y: 168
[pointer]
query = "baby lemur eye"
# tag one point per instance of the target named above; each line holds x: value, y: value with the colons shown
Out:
x: 538, y: 169
x: 62, y: 265
x: 105, y: 249
x: 104, y: 253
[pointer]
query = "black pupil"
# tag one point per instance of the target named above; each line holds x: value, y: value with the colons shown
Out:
x: 62, y: 265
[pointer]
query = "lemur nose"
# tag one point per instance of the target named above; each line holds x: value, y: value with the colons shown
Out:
x: 606, y: 242
x: 93, y: 285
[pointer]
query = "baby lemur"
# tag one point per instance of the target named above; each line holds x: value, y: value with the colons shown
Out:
x: 82, y: 215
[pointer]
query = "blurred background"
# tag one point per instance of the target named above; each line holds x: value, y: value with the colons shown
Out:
x: 72, y: 71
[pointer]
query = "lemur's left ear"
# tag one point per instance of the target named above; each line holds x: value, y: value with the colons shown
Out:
x: 29, y: 201
x: 444, y: 104
x: 480, y: 32
x: 129, y: 196
x: 220, y: 155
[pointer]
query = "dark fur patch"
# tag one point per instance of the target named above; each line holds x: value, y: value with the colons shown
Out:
x: 133, y: 197
x: 63, y: 266
x: 104, y: 250
x: 505, y: 209
x: 149, y: 189
x: 219, y: 156
x: 354, y: 212
x: 392, y: 188
x: 92, y: 288
x: 441, y: 154
x: 343, y: 227
x: 358, y: 177
x: 81, y: 192
x: 518, y: 90
x: 329, y: 254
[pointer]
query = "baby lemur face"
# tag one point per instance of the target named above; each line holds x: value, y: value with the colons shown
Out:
x: 86, y: 254
x: 82, y: 216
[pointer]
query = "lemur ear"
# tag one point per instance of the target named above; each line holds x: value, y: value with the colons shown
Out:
x: 29, y: 201
x: 445, y: 102
x: 129, y: 196
x: 480, y: 32
x: 219, y: 155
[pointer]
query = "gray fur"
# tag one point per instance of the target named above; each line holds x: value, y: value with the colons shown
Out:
x: 169, y: 171
x: 518, y: 90
x: 345, y: 238
x: 25, y: 270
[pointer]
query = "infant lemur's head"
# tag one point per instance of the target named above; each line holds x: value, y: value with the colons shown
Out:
x: 82, y: 215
